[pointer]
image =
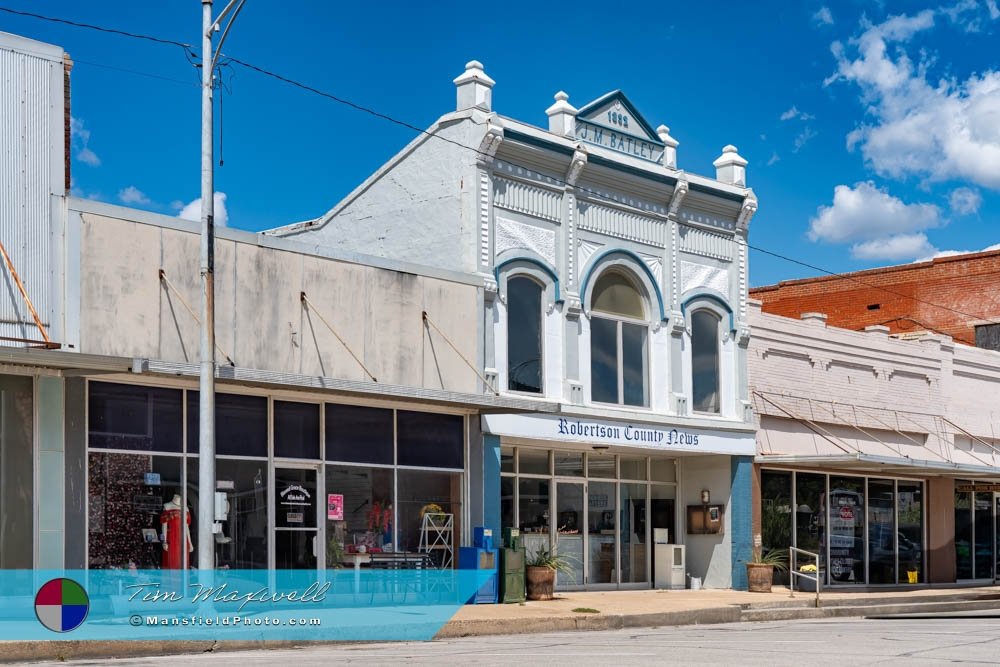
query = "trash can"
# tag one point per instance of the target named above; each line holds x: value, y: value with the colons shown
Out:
x: 695, y: 583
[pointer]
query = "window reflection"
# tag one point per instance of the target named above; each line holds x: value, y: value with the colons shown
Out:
x: 524, y: 335
x: 705, y: 361
x: 618, y: 349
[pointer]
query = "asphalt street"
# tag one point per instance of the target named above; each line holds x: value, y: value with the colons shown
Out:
x: 969, y: 639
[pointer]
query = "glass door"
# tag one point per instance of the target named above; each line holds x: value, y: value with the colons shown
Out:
x: 295, y: 518
x: 996, y: 513
x: 634, y: 554
x: 570, y: 519
x: 602, y: 527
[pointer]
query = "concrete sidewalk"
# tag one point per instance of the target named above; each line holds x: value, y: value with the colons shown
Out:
x: 620, y: 609
x: 612, y: 610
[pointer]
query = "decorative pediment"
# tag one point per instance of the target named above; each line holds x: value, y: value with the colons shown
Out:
x: 612, y: 121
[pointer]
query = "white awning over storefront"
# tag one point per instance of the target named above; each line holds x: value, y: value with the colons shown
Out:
x: 607, y: 433
x: 884, y: 465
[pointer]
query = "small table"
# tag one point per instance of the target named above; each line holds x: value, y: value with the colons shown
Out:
x: 356, y: 559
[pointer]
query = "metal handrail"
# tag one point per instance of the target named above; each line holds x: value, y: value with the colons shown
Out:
x: 793, y: 571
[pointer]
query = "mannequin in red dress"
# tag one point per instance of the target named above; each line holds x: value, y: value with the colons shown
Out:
x: 170, y: 535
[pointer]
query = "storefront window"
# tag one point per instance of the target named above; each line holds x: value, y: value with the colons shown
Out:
x: 810, y: 510
x: 776, y: 515
x: 600, y: 464
x: 663, y: 470
x: 16, y: 471
x: 506, y: 459
x: 910, y: 511
x: 131, y: 417
x: 963, y: 534
x: 134, y: 512
x: 242, y: 544
x: 847, y: 529
x: 568, y: 464
x: 430, y: 440
x: 533, y: 461
x: 240, y: 424
x: 881, y: 531
x: 419, y: 489
x: 507, y: 519
x: 633, y: 532
x: 984, y: 535
x: 296, y: 430
x: 358, y: 434
x: 524, y: 335
x: 358, y: 499
x: 632, y: 467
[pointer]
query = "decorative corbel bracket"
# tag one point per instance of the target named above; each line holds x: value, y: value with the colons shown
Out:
x: 577, y: 164
x: 680, y: 190
x: 490, y: 290
x: 490, y: 143
x: 749, y: 208
x: 677, y: 324
x: 572, y: 306
x: 742, y: 335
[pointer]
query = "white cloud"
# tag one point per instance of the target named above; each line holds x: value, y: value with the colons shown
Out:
x: 794, y: 113
x: 177, y: 204
x: 133, y: 195
x: 804, y: 136
x: 774, y: 158
x: 896, y: 247
x: 959, y: 15
x: 867, y: 213
x: 965, y: 201
x: 80, y: 140
x: 192, y: 210
x: 952, y: 253
x: 991, y: 5
x: 946, y: 130
x: 823, y: 16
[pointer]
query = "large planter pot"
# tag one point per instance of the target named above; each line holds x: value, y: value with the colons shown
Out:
x: 541, y: 581
x: 759, y: 577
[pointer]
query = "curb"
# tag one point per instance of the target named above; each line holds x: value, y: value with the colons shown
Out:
x: 516, y: 626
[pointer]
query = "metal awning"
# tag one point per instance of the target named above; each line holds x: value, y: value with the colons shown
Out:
x: 76, y: 364
x: 885, y: 465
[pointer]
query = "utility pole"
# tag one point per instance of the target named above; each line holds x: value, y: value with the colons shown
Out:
x: 207, y: 526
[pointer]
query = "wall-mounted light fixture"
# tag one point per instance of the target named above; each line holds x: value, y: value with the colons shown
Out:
x: 706, y: 497
x: 600, y: 448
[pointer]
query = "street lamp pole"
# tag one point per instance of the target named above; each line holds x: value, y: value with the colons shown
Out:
x: 206, y: 404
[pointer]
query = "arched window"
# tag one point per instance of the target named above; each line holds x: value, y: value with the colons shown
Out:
x: 524, y: 335
x: 618, y: 350
x: 705, y: 361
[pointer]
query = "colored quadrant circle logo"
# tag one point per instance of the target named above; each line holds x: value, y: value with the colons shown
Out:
x: 62, y: 605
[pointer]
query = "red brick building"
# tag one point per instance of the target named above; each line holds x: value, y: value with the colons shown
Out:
x: 958, y: 296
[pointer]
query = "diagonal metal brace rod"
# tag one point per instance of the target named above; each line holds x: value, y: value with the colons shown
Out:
x: 180, y: 297
x: 27, y: 299
x: 459, y: 353
x: 305, y: 300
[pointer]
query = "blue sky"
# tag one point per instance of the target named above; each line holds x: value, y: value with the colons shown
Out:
x: 872, y: 129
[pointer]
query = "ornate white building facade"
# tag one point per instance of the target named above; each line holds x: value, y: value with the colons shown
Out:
x: 614, y: 286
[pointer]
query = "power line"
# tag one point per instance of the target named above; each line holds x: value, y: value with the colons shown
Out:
x: 189, y: 53
x: 77, y: 61
x: 90, y: 26
x: 848, y: 276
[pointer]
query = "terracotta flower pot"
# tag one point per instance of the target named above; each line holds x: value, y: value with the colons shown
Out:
x: 541, y: 581
x: 759, y: 577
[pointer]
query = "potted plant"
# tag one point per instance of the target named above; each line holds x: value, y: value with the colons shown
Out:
x: 761, y: 567
x: 806, y: 584
x: 540, y: 572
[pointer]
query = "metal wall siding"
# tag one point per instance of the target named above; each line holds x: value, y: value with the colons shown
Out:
x: 30, y: 127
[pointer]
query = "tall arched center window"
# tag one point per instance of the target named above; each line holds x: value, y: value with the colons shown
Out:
x: 618, y: 350
x: 705, y: 361
x: 524, y: 335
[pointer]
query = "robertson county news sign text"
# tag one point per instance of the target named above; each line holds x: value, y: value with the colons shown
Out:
x: 629, y: 434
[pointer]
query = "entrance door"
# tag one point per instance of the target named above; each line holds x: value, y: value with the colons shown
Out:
x: 295, y: 518
x: 570, y: 520
x: 996, y: 551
